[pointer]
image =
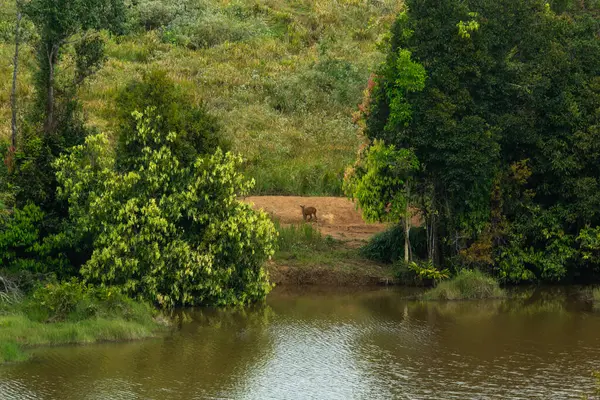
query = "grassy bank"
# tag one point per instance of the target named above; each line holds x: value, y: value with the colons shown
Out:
x: 69, y: 313
x: 305, y: 257
x: 18, y: 332
x: 466, y: 285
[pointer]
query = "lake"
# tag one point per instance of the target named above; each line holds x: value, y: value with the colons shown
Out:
x: 338, y: 344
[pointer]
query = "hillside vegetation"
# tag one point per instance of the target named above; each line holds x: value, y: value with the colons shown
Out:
x: 283, y: 77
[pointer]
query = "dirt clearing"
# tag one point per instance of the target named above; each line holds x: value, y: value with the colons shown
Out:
x: 336, y: 216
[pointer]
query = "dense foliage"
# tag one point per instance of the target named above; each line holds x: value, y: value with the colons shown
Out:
x: 197, y: 130
x: 68, y: 51
x: 74, y: 301
x: 168, y: 232
x: 22, y: 246
x: 384, y: 247
x: 505, y: 128
x: 156, y: 215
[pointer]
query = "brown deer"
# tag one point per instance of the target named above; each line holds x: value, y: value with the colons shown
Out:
x: 310, y: 211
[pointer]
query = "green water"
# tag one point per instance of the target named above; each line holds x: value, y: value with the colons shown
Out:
x: 324, y: 344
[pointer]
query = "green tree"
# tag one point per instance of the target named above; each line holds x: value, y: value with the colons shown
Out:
x: 63, y: 22
x: 381, y: 182
x: 198, y: 132
x: 69, y: 49
x: 55, y: 122
x: 171, y: 233
x: 508, y: 84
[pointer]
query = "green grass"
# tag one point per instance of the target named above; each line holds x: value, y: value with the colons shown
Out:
x: 466, y: 285
x: 315, y: 258
x: 11, y: 352
x: 282, y: 76
x: 70, y: 313
x: 17, y: 332
x: 301, y: 238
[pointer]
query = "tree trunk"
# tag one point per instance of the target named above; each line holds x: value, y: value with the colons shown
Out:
x: 49, y: 124
x: 407, y: 228
x: 13, y: 94
x: 432, y: 230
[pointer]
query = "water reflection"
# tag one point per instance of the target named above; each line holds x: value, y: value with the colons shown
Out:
x: 338, y: 345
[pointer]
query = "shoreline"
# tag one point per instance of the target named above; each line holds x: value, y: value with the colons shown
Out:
x: 347, y: 273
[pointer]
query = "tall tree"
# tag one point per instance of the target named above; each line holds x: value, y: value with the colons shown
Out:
x: 381, y: 181
x: 13, y: 94
x: 55, y: 123
x: 505, y: 128
x: 61, y: 22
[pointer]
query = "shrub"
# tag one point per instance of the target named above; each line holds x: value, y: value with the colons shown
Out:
x: 153, y: 14
x: 197, y: 131
x: 467, y: 284
x: 168, y: 232
x: 427, y: 271
x: 388, y: 246
x: 418, y: 273
x: 214, y: 28
x: 23, y: 247
x: 75, y: 301
x: 57, y: 301
x: 19, y: 236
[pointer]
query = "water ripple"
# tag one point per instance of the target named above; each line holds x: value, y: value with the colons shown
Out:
x: 334, y: 346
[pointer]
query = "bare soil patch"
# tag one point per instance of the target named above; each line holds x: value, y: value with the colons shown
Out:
x: 336, y: 216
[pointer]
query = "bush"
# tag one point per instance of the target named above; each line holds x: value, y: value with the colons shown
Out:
x: 467, y: 284
x: 57, y: 301
x: 197, y: 131
x: 166, y: 231
x: 425, y: 270
x: 418, y: 273
x: 19, y: 236
x: 214, y: 28
x: 23, y: 248
x: 388, y: 246
x: 199, y: 24
x: 75, y: 301
x: 153, y: 14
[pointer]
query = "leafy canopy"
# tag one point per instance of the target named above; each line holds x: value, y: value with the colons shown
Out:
x: 379, y: 181
x: 198, y: 132
x: 500, y: 102
x: 171, y: 233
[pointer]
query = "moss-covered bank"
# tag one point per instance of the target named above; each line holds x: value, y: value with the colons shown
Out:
x: 72, y: 313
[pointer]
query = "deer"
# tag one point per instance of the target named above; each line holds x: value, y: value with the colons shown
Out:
x: 309, y: 211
